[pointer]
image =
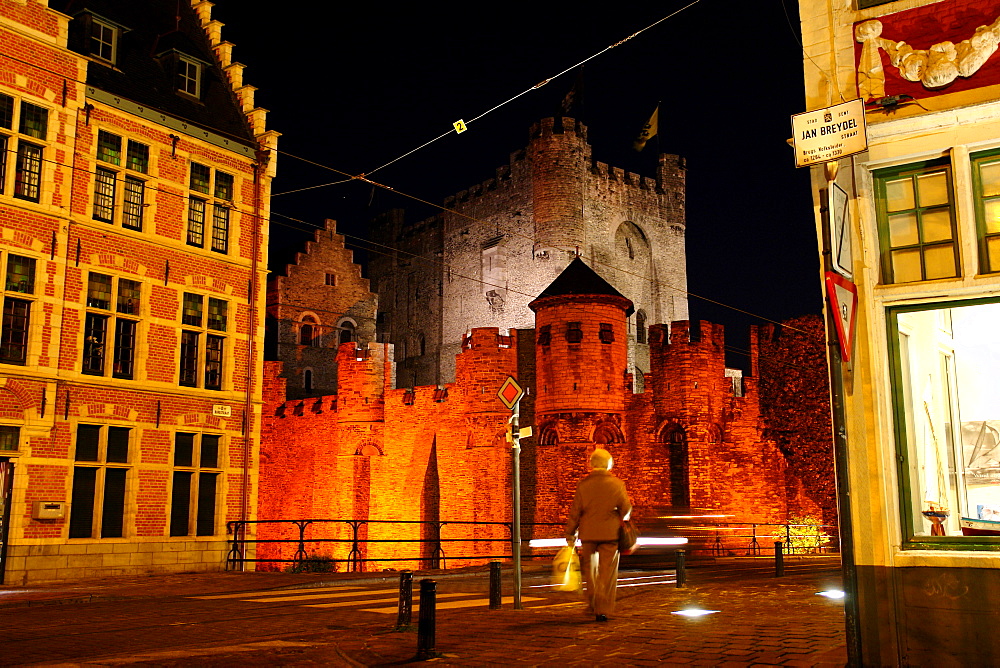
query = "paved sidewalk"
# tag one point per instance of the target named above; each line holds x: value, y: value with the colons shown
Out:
x: 761, y: 620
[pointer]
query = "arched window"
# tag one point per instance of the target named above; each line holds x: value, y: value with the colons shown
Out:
x: 422, y: 344
x: 548, y: 436
x: 347, y: 328
x: 640, y: 327
x: 607, y: 433
x: 307, y: 381
x: 308, y: 331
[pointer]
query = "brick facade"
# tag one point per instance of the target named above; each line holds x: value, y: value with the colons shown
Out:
x: 320, y: 302
x: 694, y: 439
x: 96, y: 400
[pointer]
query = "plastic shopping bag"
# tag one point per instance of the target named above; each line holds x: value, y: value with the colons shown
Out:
x: 566, y: 570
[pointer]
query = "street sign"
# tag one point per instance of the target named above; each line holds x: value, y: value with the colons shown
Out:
x: 843, y: 296
x: 829, y: 134
x: 510, y: 392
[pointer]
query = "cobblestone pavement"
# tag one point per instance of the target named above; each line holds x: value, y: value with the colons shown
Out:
x: 250, y: 619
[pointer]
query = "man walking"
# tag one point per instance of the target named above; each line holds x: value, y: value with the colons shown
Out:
x: 599, y: 507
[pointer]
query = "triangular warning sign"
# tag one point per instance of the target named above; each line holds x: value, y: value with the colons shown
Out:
x: 843, y: 296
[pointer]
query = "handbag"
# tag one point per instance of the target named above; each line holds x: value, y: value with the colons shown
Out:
x: 566, y: 570
x: 628, y: 537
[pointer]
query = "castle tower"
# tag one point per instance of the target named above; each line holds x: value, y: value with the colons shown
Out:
x: 499, y: 241
x: 581, y: 359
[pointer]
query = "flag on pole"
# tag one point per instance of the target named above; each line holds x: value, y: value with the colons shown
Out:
x: 649, y: 130
x: 574, y: 98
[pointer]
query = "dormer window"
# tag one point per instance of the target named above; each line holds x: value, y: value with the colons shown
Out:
x: 103, y: 40
x: 189, y: 76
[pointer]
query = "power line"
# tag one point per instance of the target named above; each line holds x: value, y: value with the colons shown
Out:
x: 536, y: 86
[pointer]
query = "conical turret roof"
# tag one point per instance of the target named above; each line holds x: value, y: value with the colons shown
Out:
x: 579, y: 279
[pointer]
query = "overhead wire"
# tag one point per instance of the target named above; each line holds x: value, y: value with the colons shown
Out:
x: 501, y: 104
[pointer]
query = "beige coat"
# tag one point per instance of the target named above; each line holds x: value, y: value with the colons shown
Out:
x: 598, y: 507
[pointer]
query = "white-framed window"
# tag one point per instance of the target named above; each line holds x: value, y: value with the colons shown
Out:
x: 204, y: 321
x: 103, y: 40
x: 100, y: 481
x: 111, y: 326
x: 18, y: 297
x: 189, y: 75
x: 195, y: 484
x: 120, y: 195
x: 23, y: 136
x: 209, y: 207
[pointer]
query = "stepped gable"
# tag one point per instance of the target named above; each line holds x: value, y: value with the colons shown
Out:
x: 579, y: 279
x: 153, y: 32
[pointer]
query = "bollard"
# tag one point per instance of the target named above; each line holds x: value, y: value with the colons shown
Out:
x: 494, y: 585
x: 681, y: 573
x: 779, y: 560
x: 426, y: 620
x: 405, y: 599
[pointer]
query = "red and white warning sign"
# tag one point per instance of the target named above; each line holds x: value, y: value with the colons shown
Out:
x: 843, y: 296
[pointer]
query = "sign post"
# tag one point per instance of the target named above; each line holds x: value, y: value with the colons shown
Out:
x: 829, y: 134
x: 510, y: 394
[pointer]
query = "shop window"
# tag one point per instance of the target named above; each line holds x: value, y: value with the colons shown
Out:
x: 100, y: 477
x: 195, y: 489
x: 214, y: 197
x: 202, y: 349
x: 19, y: 287
x: 917, y: 234
x: 946, y: 361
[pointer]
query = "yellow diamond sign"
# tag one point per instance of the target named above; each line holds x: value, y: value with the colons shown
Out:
x: 510, y: 392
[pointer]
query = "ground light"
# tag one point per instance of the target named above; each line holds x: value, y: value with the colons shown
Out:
x: 831, y: 594
x: 694, y: 612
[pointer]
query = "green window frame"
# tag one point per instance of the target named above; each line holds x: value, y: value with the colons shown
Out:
x: 918, y: 235
x: 943, y: 359
x: 986, y: 189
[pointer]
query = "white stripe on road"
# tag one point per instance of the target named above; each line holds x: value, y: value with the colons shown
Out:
x: 346, y: 604
x: 452, y: 605
x: 273, y: 593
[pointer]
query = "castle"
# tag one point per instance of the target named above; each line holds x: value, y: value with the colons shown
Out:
x: 438, y: 453
x: 495, y: 246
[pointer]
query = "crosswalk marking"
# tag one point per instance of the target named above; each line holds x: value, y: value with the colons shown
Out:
x: 339, y: 594
x: 394, y: 608
x: 450, y: 605
x: 275, y: 593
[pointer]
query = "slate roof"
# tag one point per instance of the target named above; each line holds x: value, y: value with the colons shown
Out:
x: 579, y: 279
x: 152, y: 28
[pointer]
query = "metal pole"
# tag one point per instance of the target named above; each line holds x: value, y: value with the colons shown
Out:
x: 405, y: 599
x: 779, y: 560
x: 681, y: 573
x: 516, y: 533
x: 427, y: 621
x: 494, y: 585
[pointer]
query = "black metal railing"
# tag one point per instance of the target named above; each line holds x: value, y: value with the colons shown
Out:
x: 355, y: 560
x: 715, y: 539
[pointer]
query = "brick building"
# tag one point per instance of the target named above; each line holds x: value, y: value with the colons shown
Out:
x: 438, y: 453
x: 135, y: 185
x: 320, y: 302
x: 496, y: 245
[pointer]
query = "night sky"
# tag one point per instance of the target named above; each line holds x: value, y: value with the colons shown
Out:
x: 353, y: 86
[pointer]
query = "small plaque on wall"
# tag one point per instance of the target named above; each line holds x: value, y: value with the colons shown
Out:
x: 218, y: 410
